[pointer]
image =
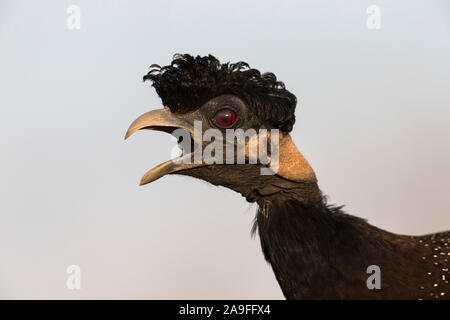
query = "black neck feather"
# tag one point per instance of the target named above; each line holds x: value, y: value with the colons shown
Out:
x: 308, y: 243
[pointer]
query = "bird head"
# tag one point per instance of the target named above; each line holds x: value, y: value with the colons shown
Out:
x: 232, y: 124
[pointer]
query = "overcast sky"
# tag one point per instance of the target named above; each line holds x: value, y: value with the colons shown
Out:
x: 373, y: 120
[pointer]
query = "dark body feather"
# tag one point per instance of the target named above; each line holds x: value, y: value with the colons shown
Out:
x: 317, y: 251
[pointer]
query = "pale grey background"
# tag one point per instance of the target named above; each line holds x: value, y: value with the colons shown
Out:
x: 373, y: 120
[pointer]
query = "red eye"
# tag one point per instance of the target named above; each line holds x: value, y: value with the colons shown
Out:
x: 225, y: 117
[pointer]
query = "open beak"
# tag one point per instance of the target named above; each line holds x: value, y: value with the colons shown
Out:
x: 164, y: 120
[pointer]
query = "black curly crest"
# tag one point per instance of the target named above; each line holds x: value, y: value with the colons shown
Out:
x: 188, y: 82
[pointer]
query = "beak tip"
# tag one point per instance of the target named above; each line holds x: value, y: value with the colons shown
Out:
x: 128, y: 134
x: 143, y: 181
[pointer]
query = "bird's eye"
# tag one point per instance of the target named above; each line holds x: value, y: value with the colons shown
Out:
x: 225, y: 117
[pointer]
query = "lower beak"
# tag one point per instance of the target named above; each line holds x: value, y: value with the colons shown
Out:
x: 164, y: 120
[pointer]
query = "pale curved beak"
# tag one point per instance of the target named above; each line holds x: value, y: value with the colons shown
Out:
x: 161, y: 118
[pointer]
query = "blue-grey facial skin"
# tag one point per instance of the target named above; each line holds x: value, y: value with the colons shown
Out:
x: 373, y: 119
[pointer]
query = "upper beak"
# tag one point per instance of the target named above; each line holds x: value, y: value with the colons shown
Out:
x: 158, y: 120
x: 164, y: 120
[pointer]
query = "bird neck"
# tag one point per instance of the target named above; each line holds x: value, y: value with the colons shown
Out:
x: 306, y: 241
